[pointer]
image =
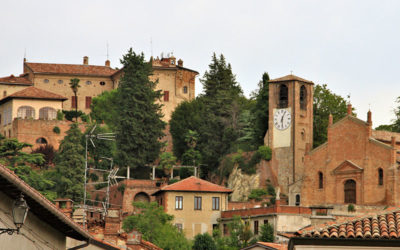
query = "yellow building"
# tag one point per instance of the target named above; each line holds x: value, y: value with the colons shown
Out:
x: 196, y: 204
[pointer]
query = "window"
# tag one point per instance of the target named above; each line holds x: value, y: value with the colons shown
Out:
x: 225, y: 229
x: 166, y: 96
x: 265, y: 222
x: 179, y: 226
x: 60, y: 81
x: 380, y: 174
x: 9, y: 133
x: 102, y: 83
x: 215, y: 226
x: 178, y: 202
x: 297, y: 200
x: 320, y: 180
x: 303, y: 97
x: 46, y: 80
x: 7, y: 116
x: 185, y: 90
x: 256, y: 227
x: 197, y: 203
x: 26, y: 112
x: 283, y: 96
x: 41, y: 140
x: 73, y: 101
x: 4, y: 93
x: 47, y: 113
x: 88, y: 101
x: 88, y: 82
x: 215, y: 203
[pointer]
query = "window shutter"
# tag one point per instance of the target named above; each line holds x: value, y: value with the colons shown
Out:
x: 73, y: 102
x: 166, y: 96
x: 88, y: 101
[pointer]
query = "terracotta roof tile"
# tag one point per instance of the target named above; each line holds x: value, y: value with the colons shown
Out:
x: 15, y: 80
x: 71, y: 69
x: 290, y: 78
x: 195, y: 184
x: 383, y: 226
x: 276, y: 246
x: 35, y: 93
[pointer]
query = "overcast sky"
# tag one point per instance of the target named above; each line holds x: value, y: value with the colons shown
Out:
x: 352, y: 46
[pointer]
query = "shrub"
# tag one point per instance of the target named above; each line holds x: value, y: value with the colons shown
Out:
x: 204, y: 242
x: 257, y: 194
x: 351, y: 208
x: 121, y: 188
x: 264, y: 152
x: 60, y: 115
x: 48, y: 153
x: 56, y: 130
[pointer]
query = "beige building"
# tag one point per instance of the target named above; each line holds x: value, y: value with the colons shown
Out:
x: 196, y: 204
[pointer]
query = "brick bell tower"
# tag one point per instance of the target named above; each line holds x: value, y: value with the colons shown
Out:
x: 290, y: 130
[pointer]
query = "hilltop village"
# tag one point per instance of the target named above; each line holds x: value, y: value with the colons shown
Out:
x: 269, y: 172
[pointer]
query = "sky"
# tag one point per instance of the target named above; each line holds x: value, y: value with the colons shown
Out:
x: 352, y: 46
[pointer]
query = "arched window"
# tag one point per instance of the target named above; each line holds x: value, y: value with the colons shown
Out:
x: 141, y: 197
x: 26, y: 112
x: 320, y: 180
x: 350, y: 191
x: 303, y: 97
x: 297, y: 200
x: 283, y: 96
x: 185, y: 89
x: 41, y: 140
x: 47, y: 113
x: 380, y: 174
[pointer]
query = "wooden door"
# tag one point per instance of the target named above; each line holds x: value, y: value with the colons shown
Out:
x: 350, y: 191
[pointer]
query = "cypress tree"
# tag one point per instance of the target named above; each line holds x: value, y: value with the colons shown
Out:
x: 260, y: 111
x: 139, y: 127
x: 70, y: 165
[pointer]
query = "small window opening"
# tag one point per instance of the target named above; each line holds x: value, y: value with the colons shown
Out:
x: 102, y: 83
x: 321, y: 180
x: 185, y: 90
x: 41, y: 140
x: 4, y: 93
x: 283, y: 96
x: 297, y: 200
x: 303, y: 97
x: 380, y: 174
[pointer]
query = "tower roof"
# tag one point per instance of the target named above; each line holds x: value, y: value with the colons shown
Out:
x: 289, y: 78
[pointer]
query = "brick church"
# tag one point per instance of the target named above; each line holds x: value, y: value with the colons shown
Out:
x: 357, y: 165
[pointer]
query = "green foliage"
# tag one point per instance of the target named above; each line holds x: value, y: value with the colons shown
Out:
x: 395, y: 126
x: 121, y: 188
x: 351, y: 208
x: 167, y: 160
x: 48, y: 153
x: 56, y: 130
x: 71, y: 114
x: 259, y: 112
x: 70, y: 165
x: 266, y: 233
x: 204, y: 242
x: 60, y: 115
x: 156, y: 226
x: 185, y: 172
x: 137, y: 142
x: 385, y: 128
x: 240, y: 232
x: 265, y: 152
x: 104, y: 108
x: 325, y: 103
x: 257, y: 194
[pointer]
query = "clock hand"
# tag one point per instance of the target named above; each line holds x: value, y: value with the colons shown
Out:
x: 282, y: 118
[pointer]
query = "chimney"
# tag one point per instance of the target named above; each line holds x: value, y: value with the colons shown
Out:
x: 86, y: 60
x: 330, y: 120
x: 393, y: 141
x: 180, y: 62
x: 134, y: 238
x: 108, y: 63
x: 369, y: 118
x: 349, y: 109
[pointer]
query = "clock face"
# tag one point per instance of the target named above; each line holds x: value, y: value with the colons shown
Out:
x: 282, y: 119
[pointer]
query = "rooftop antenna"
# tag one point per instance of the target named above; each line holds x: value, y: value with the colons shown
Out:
x: 107, y: 50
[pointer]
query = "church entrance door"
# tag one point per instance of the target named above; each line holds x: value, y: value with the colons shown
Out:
x: 350, y: 191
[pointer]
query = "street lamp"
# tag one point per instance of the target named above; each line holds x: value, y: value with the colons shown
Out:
x: 19, y: 212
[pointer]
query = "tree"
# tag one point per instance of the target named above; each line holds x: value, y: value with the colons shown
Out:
x: 104, y: 108
x: 267, y: 233
x: 395, y: 126
x: 155, y: 226
x: 204, y: 242
x: 240, y: 232
x: 139, y: 127
x: 325, y: 103
x: 259, y: 112
x: 70, y: 165
x: 74, y: 84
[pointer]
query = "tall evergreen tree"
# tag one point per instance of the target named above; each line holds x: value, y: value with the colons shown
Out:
x: 70, y: 165
x: 139, y: 127
x: 259, y: 112
x: 74, y: 84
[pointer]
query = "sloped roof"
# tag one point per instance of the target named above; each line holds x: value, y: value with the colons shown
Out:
x: 15, y: 80
x: 13, y: 186
x: 381, y: 226
x: 34, y: 93
x: 290, y: 78
x: 70, y: 69
x: 267, y: 245
x: 194, y: 184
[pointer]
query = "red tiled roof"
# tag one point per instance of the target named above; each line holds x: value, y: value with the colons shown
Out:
x: 383, y: 226
x: 290, y: 78
x: 273, y: 245
x: 194, y: 184
x: 35, y: 93
x: 71, y: 69
x: 15, y: 80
